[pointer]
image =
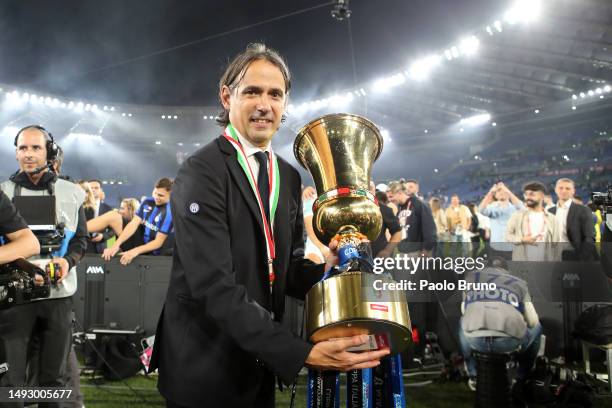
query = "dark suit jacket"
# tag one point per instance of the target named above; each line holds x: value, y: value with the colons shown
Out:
x: 216, y: 339
x: 580, y: 232
x: 98, y: 247
x: 422, y: 233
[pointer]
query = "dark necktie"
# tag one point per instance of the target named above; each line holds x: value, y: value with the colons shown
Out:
x: 263, y: 182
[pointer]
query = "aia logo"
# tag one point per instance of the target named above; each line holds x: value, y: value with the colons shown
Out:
x: 94, y: 270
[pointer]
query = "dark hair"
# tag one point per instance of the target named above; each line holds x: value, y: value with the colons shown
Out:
x: 164, y: 183
x: 95, y: 181
x: 237, y: 68
x: 382, y: 197
x: 535, y: 186
x: 412, y: 181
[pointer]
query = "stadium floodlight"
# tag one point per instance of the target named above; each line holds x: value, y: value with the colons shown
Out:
x: 574, y: 97
x: 523, y: 11
x: 489, y: 30
x: 476, y: 120
x: 384, y: 133
x: 598, y: 91
x: 498, y: 26
x: 158, y: 142
x: 582, y: 94
x: 607, y: 88
x: 591, y: 93
x: 469, y: 46
x: 386, y: 83
x: 420, y: 70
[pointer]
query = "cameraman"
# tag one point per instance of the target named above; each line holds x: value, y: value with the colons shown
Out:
x: 48, y: 319
x: 22, y: 242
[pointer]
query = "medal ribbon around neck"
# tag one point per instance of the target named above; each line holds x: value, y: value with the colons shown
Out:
x: 274, y: 179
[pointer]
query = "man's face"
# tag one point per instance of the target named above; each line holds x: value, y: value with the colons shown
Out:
x: 161, y: 196
x: 533, y: 199
x: 501, y: 195
x: 96, y: 189
x: 412, y: 188
x: 397, y: 198
x: 455, y: 201
x: 257, y: 103
x: 31, y: 150
x: 565, y: 191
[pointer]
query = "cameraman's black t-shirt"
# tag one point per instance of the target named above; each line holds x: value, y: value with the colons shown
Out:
x: 10, y: 220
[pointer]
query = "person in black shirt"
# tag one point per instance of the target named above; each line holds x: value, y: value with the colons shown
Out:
x: 381, y: 247
x: 415, y: 218
x: 21, y: 241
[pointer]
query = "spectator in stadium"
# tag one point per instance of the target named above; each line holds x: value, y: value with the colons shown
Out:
x: 495, y: 322
x: 418, y: 226
x: 116, y: 221
x: 390, y: 233
x: 90, y: 201
x: 314, y: 250
x: 480, y: 228
x: 381, y: 196
x: 499, y: 204
x: 57, y: 165
x: 574, y: 222
x: 100, y: 207
x: 458, y: 220
x: 532, y: 227
x: 154, y: 220
x: 412, y: 187
x: 439, y: 217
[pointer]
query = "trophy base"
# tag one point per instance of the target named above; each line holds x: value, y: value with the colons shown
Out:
x: 347, y: 305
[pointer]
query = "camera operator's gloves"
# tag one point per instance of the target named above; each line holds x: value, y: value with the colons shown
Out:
x: 64, y: 268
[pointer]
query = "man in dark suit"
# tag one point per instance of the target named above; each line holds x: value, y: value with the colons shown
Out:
x: 219, y: 340
x: 97, y: 242
x: 575, y: 223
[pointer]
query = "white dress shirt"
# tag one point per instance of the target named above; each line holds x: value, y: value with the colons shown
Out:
x: 561, y: 219
x: 250, y: 149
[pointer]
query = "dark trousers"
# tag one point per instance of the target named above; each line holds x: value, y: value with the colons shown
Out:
x: 49, y: 320
x: 264, y: 399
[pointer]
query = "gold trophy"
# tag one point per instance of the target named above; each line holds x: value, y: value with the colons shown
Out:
x: 338, y: 150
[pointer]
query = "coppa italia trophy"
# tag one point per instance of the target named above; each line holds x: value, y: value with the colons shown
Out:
x: 338, y: 150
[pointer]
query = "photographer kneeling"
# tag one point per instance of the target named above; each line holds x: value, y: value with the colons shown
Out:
x: 48, y: 319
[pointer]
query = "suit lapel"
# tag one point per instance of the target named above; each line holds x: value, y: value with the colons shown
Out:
x: 241, y: 180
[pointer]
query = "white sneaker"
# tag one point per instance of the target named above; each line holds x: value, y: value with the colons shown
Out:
x: 472, y: 383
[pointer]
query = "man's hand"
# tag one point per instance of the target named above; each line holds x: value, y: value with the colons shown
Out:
x: 64, y: 268
x: 97, y: 238
x: 128, y: 256
x: 331, y: 256
x: 110, y: 252
x: 333, y: 355
x: 528, y: 239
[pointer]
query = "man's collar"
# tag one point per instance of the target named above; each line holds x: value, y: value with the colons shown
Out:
x: 249, y: 148
x: 566, y: 206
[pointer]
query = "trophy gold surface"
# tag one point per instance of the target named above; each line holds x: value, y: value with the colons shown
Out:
x: 339, y: 150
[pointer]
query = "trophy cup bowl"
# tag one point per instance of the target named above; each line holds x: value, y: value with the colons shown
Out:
x: 339, y: 150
